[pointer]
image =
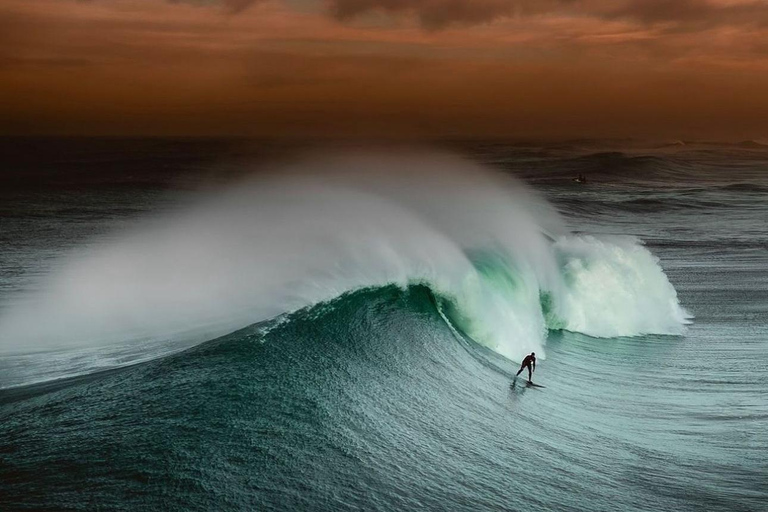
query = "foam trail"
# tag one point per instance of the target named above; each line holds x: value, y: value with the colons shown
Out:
x: 328, y: 225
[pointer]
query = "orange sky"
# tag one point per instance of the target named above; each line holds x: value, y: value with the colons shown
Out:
x: 386, y: 68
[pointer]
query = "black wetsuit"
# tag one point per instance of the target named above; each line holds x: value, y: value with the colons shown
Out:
x: 527, y: 362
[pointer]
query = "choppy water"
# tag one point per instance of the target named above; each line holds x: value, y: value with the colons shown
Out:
x: 383, y: 398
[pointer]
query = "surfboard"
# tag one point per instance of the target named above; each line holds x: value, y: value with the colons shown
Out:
x: 527, y: 384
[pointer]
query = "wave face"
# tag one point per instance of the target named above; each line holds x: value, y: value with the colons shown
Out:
x: 500, y: 255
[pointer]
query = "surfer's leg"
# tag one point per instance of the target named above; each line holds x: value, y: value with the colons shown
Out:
x: 529, y: 373
x: 520, y: 371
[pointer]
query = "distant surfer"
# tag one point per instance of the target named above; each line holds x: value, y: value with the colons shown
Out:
x: 530, y: 363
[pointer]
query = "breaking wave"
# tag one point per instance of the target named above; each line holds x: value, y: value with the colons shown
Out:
x: 489, y: 246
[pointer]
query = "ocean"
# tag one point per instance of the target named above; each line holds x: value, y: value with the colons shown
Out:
x: 214, y: 324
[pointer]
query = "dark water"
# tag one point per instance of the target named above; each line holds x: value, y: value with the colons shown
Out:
x: 373, y: 401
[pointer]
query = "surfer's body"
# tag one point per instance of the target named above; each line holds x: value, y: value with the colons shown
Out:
x: 530, y: 363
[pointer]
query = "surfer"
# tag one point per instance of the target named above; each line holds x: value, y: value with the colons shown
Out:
x: 529, y: 361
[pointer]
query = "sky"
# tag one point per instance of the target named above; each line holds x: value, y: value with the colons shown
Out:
x: 660, y: 69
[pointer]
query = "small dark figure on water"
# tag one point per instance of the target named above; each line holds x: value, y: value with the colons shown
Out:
x: 529, y: 361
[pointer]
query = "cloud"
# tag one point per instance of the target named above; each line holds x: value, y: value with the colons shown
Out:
x: 433, y: 14
x: 438, y: 14
x: 235, y: 6
x: 684, y: 15
x: 230, y: 6
x: 653, y: 11
x: 692, y: 12
x: 554, y: 68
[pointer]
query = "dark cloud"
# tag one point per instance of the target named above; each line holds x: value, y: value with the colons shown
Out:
x: 433, y: 14
x: 685, y: 15
x: 653, y: 11
x: 235, y: 6
x: 691, y: 12
x: 437, y: 14
x: 230, y: 6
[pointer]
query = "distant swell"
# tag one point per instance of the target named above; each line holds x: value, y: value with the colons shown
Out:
x: 745, y: 187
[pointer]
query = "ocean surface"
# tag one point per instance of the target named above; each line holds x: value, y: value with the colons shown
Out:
x: 244, y: 325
